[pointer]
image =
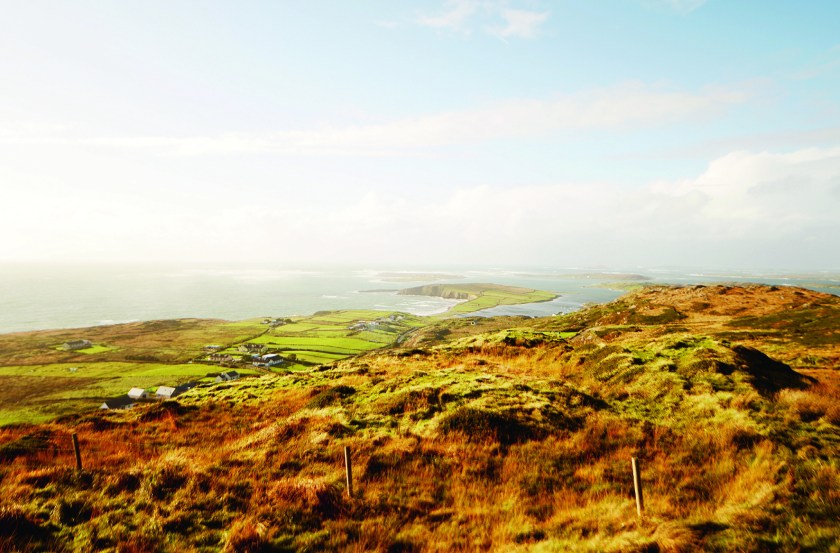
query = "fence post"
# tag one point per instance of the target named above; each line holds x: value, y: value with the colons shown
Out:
x: 348, y: 465
x: 637, y: 485
x: 76, y: 451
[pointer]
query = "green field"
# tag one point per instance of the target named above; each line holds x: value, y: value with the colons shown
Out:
x: 326, y: 337
x: 37, y: 393
x: 40, y: 380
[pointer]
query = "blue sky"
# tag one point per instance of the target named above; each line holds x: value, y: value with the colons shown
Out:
x: 615, y: 133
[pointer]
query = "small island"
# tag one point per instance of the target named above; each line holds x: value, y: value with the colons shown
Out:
x: 477, y: 297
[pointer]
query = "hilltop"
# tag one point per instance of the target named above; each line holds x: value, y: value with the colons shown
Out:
x: 469, y: 434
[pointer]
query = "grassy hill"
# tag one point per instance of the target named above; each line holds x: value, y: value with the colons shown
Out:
x: 506, y: 434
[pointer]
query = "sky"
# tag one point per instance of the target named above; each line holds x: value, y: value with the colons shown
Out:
x: 616, y: 133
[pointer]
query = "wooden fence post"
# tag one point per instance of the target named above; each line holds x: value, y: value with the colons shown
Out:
x: 348, y: 465
x: 76, y: 451
x: 637, y: 485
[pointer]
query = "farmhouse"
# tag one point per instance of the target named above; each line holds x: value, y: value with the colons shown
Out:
x: 269, y: 360
x: 272, y: 359
x: 165, y: 392
x: 73, y: 345
x: 137, y: 393
x: 168, y: 392
x: 122, y: 402
x: 251, y: 348
x: 221, y: 358
x: 227, y: 376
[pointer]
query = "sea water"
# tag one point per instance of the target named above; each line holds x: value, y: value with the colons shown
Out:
x: 43, y: 296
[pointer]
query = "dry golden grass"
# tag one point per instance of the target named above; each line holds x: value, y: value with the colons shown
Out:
x: 498, y: 447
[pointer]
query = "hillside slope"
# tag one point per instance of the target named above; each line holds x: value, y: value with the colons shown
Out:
x: 507, y: 434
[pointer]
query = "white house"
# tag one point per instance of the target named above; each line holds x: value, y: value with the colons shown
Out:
x: 137, y: 393
x: 272, y: 359
x: 165, y: 392
x: 227, y: 376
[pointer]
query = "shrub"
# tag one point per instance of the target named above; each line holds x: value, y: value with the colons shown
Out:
x: 17, y: 527
x: 166, y: 481
x: 71, y: 512
x: 122, y: 482
x: 426, y: 401
x: 246, y: 537
x: 481, y: 425
x: 330, y: 396
x: 25, y: 445
x: 313, y: 496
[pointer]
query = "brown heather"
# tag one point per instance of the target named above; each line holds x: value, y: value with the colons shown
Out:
x: 508, y: 434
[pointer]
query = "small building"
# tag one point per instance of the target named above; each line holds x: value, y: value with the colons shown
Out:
x: 221, y: 358
x: 137, y: 393
x: 227, y: 376
x: 213, y: 347
x: 122, y: 402
x: 272, y: 359
x: 165, y: 392
x: 268, y: 360
x: 181, y: 388
x: 168, y: 392
x: 251, y: 347
x: 73, y: 345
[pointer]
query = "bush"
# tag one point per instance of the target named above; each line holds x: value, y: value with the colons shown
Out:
x: 330, y: 396
x: 481, y: 425
x: 25, y: 445
x: 17, y: 528
x: 166, y: 481
x: 246, y: 537
x: 425, y: 400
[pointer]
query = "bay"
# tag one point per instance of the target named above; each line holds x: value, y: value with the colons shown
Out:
x: 44, y: 296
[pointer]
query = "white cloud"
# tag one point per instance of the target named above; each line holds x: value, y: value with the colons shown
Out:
x: 521, y: 23
x: 774, y: 210
x: 746, y: 209
x: 681, y: 6
x: 629, y: 105
x: 455, y: 17
x: 494, y: 16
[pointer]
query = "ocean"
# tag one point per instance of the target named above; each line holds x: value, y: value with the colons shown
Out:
x: 45, y: 296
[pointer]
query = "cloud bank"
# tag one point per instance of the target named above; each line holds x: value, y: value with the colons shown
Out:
x: 624, y: 106
x: 740, y: 212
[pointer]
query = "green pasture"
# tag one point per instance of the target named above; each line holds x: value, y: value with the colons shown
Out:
x: 39, y: 382
x: 326, y: 337
x: 495, y: 298
x: 96, y: 348
x: 37, y: 393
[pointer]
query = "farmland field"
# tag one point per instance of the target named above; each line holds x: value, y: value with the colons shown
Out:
x: 327, y: 337
x: 40, y: 380
x: 36, y: 393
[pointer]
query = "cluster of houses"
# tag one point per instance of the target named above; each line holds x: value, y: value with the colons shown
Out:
x: 257, y: 352
x: 135, y: 395
x: 273, y: 323
x: 375, y: 324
